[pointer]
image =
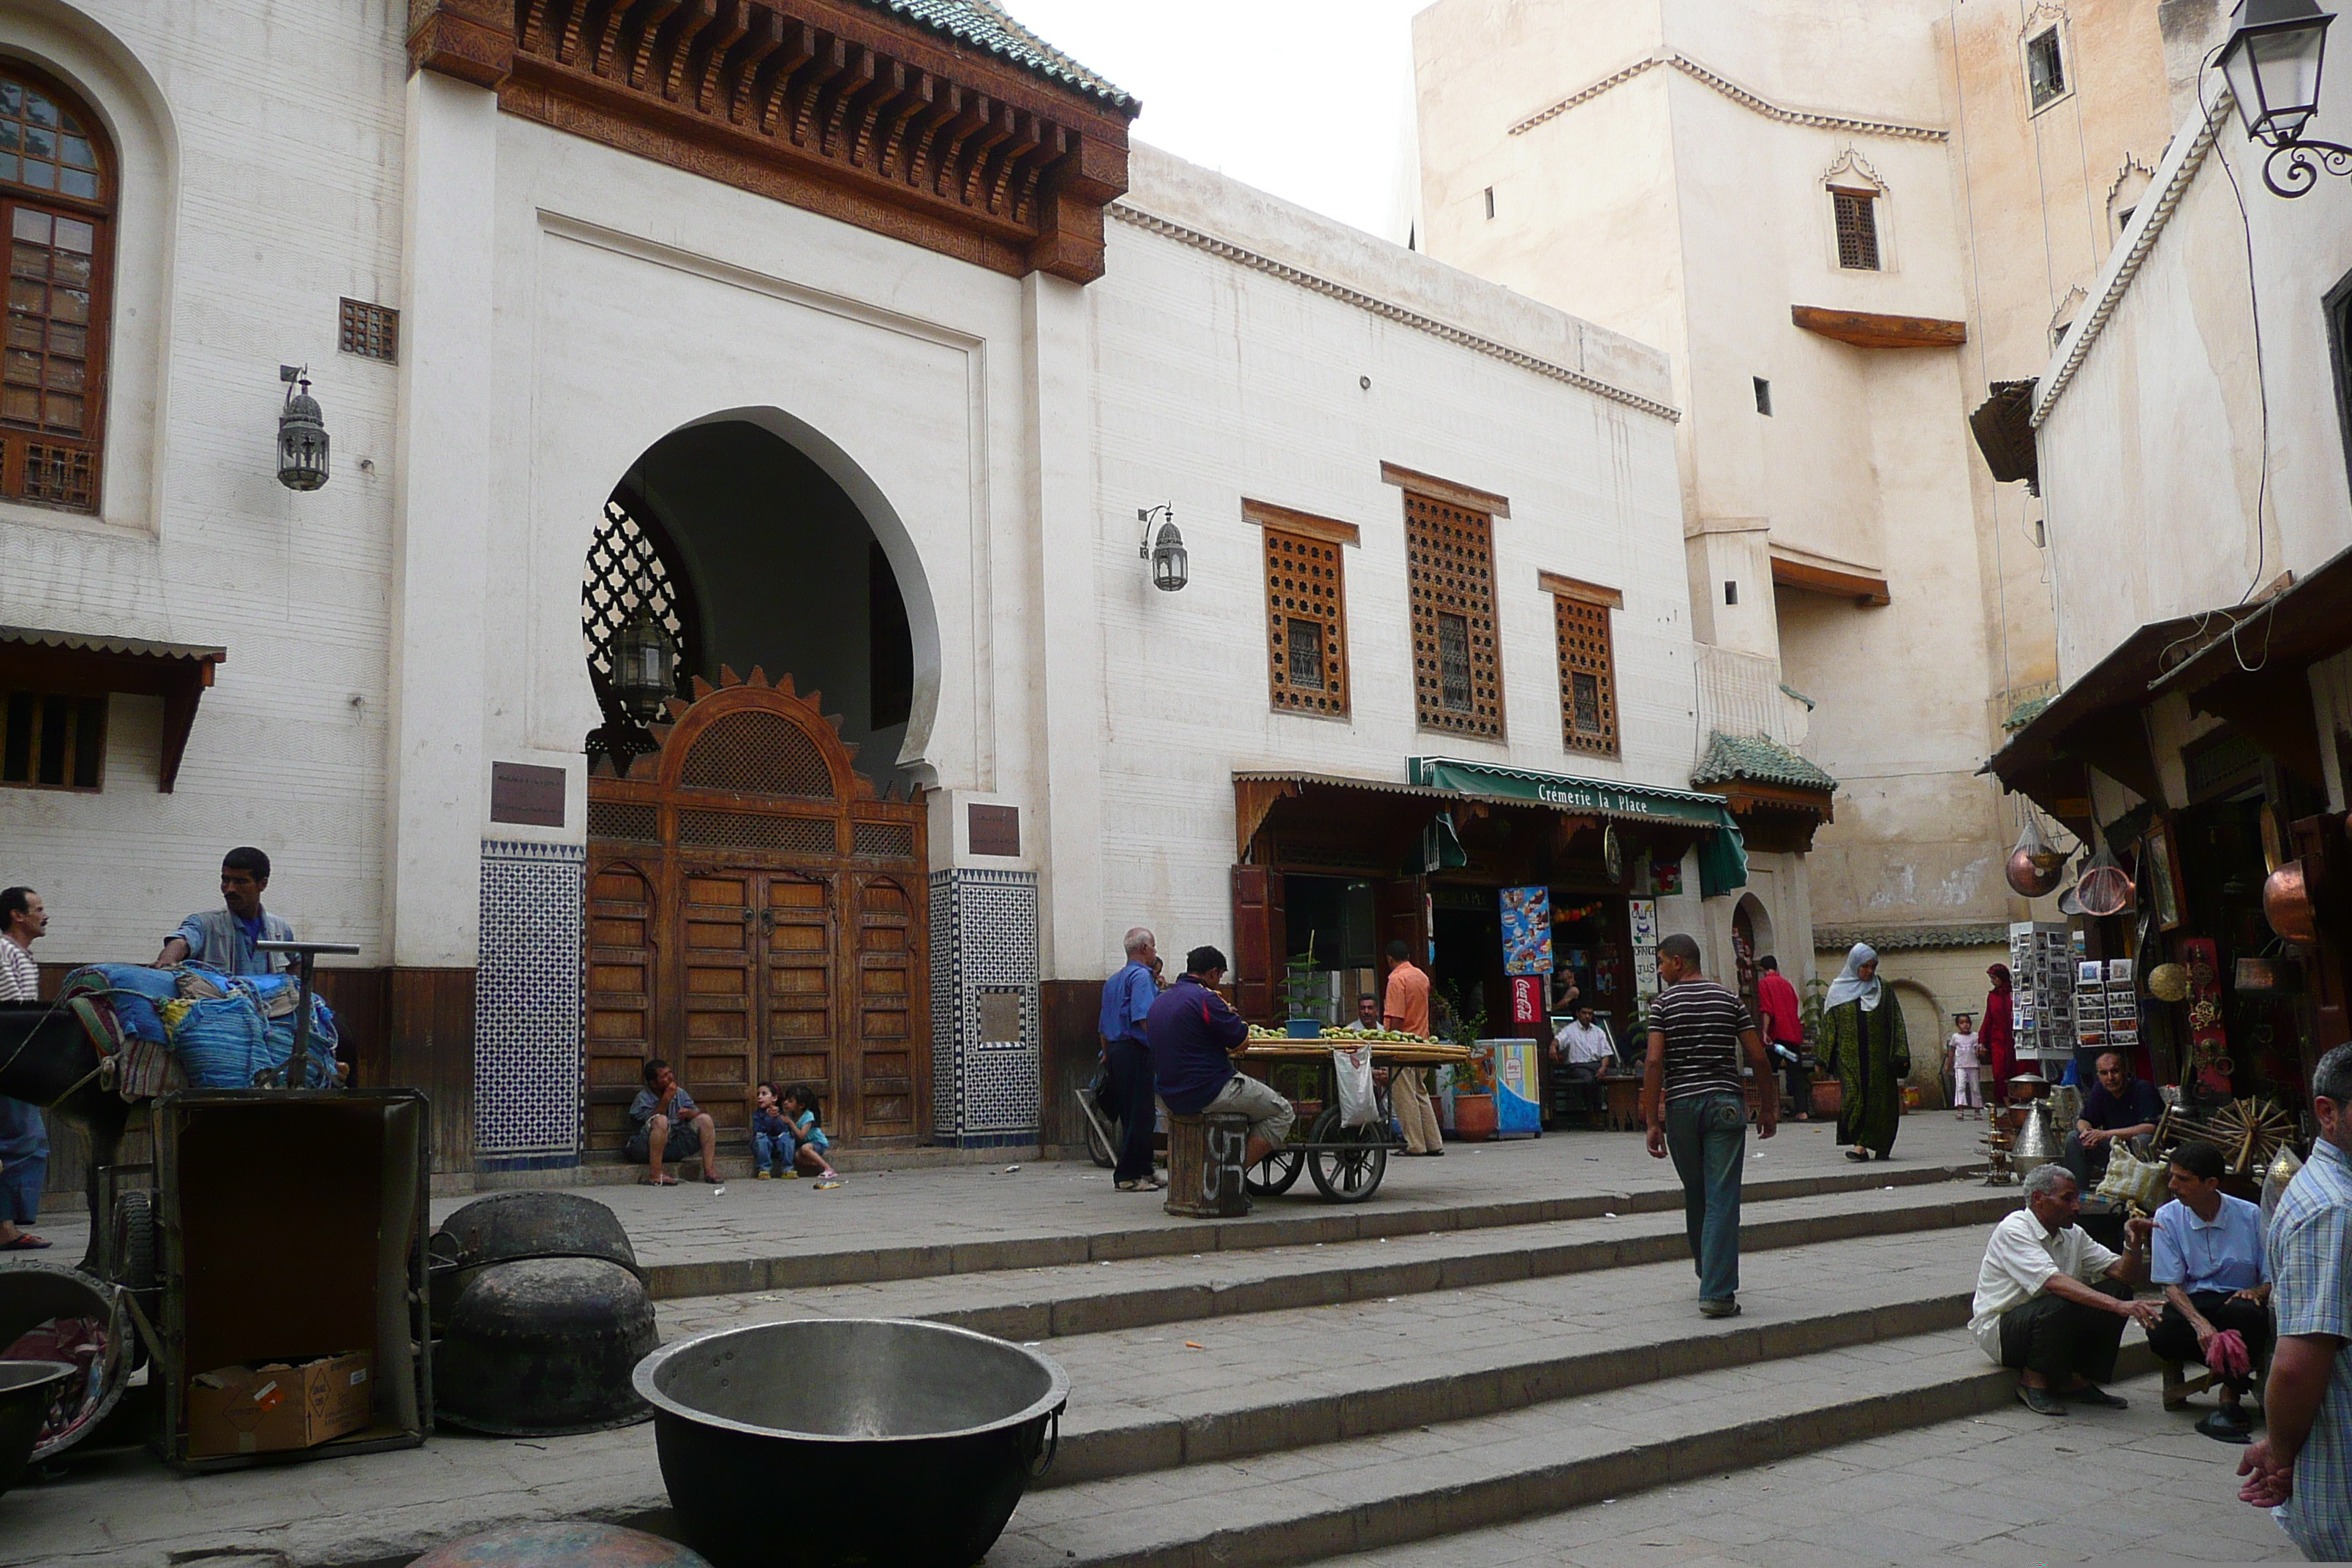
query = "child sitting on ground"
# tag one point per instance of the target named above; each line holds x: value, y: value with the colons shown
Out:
x: 772, y: 1144
x: 800, y: 1109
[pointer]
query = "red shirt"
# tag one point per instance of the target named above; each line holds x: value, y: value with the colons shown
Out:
x: 1783, y: 1020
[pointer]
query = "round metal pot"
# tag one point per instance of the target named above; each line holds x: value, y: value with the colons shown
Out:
x: 27, y: 1389
x: 509, y: 1227
x: 2032, y: 876
x: 940, y: 1430
x: 562, y: 1543
x: 32, y: 1294
x: 2286, y: 904
x: 544, y: 1346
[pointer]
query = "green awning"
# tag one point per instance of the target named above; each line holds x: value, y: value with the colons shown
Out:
x: 1599, y: 797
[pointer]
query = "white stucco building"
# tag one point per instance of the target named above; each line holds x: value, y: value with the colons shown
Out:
x: 850, y: 337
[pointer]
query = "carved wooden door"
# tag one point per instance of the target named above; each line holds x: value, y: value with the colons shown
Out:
x: 757, y: 914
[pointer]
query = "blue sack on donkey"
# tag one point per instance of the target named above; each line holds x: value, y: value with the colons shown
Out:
x: 133, y: 990
x: 222, y: 1042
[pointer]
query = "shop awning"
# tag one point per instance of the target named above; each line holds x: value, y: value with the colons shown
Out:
x: 2095, y: 723
x: 32, y: 659
x: 1595, y: 797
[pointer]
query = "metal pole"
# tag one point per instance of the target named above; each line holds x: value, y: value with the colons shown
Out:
x: 304, y: 954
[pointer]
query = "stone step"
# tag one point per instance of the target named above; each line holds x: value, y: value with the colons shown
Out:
x: 1288, y: 1222
x: 1051, y: 1302
x: 1308, y: 1503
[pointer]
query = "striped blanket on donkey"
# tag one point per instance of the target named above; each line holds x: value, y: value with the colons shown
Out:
x: 194, y: 1026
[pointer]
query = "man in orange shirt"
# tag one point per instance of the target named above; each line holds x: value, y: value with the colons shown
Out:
x: 1405, y: 1008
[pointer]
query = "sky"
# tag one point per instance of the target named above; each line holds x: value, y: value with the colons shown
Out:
x: 1306, y: 98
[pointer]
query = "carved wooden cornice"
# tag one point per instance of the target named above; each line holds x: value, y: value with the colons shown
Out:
x: 824, y: 104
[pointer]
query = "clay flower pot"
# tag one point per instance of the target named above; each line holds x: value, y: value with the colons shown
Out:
x: 1474, y: 1117
x: 1829, y: 1098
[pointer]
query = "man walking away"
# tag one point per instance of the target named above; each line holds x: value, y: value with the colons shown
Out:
x: 1697, y: 1111
x: 2302, y: 1468
x: 1784, y: 1030
x: 223, y: 938
x: 1127, y: 1000
x: 23, y: 1136
x: 1192, y: 1031
x: 1405, y: 1008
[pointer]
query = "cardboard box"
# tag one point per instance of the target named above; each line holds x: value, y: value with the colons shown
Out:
x: 271, y: 1406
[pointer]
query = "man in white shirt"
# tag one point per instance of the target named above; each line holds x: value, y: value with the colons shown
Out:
x: 2052, y: 1303
x: 24, y: 1137
x: 22, y: 921
x: 1583, y: 1051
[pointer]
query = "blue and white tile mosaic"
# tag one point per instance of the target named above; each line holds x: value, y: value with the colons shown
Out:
x: 983, y: 945
x: 527, y: 1004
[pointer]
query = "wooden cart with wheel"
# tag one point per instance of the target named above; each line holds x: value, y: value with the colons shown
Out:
x: 1346, y: 1164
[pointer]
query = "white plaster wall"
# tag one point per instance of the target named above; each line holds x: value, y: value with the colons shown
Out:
x: 230, y: 272
x: 2153, y: 455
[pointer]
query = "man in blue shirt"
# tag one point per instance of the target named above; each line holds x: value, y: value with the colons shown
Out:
x: 223, y: 938
x: 1192, y: 1031
x: 1127, y: 1000
x: 2118, y: 1109
x: 2209, y: 1258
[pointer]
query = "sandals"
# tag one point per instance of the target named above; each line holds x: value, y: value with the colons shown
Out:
x: 663, y: 1180
x: 25, y: 1242
x: 1859, y: 1156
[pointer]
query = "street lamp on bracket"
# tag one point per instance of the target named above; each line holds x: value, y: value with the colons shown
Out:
x: 1169, y: 563
x: 2272, y: 63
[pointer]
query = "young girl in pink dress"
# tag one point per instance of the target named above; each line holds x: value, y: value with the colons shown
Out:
x: 1965, y: 1057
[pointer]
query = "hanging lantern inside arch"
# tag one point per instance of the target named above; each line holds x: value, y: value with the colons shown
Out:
x: 301, y: 433
x: 645, y: 666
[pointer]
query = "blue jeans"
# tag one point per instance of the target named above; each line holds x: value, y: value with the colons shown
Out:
x: 1707, y: 1136
x: 772, y: 1152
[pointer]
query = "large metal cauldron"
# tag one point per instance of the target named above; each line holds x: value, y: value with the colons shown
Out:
x: 509, y: 1227
x: 933, y: 1432
x: 27, y: 1389
x: 34, y: 1294
x: 542, y: 1346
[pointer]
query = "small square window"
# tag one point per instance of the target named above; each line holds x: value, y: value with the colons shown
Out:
x: 1306, y: 655
x: 1763, y: 395
x: 2045, y: 68
x: 1857, y: 229
x: 371, y: 332
x: 1490, y: 201
x: 52, y: 741
x: 1730, y: 592
x: 1454, y: 662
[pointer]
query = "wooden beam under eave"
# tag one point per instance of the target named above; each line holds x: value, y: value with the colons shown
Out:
x: 1867, y: 330
x: 473, y: 40
x: 1252, y: 800
x: 1858, y: 586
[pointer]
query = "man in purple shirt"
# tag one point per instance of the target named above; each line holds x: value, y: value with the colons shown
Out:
x: 1193, y: 1032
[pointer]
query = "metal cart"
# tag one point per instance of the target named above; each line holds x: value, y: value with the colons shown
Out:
x: 1346, y: 1164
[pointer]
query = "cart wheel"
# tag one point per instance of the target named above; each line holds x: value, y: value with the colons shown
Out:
x: 131, y: 1245
x: 1274, y: 1175
x: 1348, y: 1175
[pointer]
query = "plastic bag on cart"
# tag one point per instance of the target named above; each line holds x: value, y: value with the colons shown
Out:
x: 1352, y: 1067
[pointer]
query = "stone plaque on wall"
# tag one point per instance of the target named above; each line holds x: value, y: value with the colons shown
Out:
x: 999, y: 1016
x: 995, y: 830
x: 520, y: 791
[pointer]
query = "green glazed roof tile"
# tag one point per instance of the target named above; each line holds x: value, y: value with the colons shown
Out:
x: 985, y: 25
x: 1752, y: 759
x: 2025, y: 713
x: 1900, y: 939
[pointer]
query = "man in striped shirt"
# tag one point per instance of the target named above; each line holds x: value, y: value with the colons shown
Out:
x: 1698, y: 1110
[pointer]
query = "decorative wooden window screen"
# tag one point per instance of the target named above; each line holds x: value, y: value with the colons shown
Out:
x: 1305, y: 624
x: 1588, y: 675
x: 52, y: 741
x: 1857, y: 229
x: 55, y: 200
x: 371, y: 332
x: 1457, y: 674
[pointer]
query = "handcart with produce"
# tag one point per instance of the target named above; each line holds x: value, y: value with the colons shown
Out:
x: 1325, y: 1077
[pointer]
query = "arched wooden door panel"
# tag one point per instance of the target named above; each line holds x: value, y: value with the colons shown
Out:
x: 785, y: 936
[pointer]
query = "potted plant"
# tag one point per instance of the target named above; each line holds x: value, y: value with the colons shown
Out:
x: 1299, y: 997
x: 1474, y: 1086
x: 1828, y: 1093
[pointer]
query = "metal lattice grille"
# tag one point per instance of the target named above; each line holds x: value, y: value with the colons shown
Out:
x: 1450, y: 557
x: 1307, y: 624
x: 626, y: 570
x: 763, y: 753
x: 1588, y: 676
x: 744, y: 830
x: 1857, y: 229
x: 883, y: 840
x: 624, y: 819
x: 371, y: 332
x: 58, y: 474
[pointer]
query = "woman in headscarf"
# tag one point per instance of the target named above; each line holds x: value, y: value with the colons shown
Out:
x: 1997, y: 1034
x: 1863, y: 1042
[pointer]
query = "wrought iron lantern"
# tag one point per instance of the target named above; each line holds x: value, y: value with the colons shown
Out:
x: 1169, y: 569
x: 2272, y: 63
x: 301, y: 433
x: 644, y: 666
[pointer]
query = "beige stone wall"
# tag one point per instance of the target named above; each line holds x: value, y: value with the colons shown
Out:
x: 1932, y: 984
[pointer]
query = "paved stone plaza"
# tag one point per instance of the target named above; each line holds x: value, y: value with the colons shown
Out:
x: 1496, y: 1359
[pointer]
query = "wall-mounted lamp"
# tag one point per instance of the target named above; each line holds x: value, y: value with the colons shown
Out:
x: 301, y: 433
x: 644, y: 666
x: 2271, y: 62
x: 1169, y: 569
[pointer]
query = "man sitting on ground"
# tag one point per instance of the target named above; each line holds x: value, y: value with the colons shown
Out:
x: 2209, y: 1258
x: 2051, y: 1303
x: 665, y: 1121
x: 1193, y: 1032
x: 2119, y: 1106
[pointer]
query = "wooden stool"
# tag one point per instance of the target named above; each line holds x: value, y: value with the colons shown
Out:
x: 1204, y: 1165
x: 2178, y: 1386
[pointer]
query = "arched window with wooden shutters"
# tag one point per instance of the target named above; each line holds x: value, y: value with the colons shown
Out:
x: 58, y: 180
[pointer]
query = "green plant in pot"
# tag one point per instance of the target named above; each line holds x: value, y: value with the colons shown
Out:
x: 1474, y: 1085
x: 1302, y: 995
